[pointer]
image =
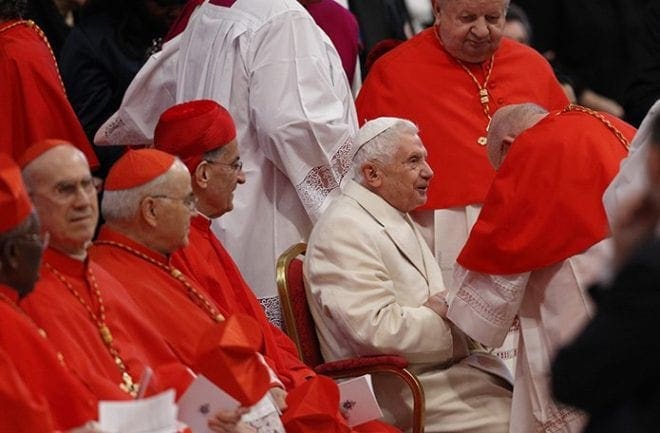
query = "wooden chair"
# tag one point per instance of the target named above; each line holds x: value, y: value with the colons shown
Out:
x: 299, y: 326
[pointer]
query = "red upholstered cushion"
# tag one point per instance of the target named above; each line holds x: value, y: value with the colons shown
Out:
x: 304, y: 321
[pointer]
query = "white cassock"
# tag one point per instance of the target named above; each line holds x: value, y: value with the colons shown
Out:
x: 552, y: 306
x: 282, y: 80
x: 368, y: 274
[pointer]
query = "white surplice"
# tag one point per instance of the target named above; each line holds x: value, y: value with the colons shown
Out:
x: 282, y: 80
x: 552, y: 306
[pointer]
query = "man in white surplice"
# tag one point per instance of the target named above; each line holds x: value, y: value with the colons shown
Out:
x: 375, y: 288
x: 282, y: 80
x: 540, y: 240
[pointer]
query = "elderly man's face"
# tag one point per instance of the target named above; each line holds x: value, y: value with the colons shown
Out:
x: 65, y: 198
x: 471, y: 30
x: 174, y: 206
x: 224, y: 175
x: 405, y: 180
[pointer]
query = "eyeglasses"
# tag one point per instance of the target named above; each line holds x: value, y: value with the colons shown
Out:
x: 190, y: 201
x: 235, y: 166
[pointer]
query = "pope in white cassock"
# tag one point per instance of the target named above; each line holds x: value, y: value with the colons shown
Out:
x: 282, y: 80
x: 374, y: 288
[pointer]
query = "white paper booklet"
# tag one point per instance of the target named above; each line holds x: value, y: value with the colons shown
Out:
x: 202, y: 400
x: 357, y: 400
x: 155, y: 414
x: 264, y: 417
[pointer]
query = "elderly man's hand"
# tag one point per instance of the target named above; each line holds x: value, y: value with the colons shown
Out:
x: 438, y: 303
x: 279, y: 396
x: 229, y: 421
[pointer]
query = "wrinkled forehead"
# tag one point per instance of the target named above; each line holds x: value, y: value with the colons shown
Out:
x: 411, y: 145
x: 63, y: 163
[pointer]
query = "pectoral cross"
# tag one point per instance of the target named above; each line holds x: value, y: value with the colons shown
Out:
x: 483, y: 140
x: 128, y: 386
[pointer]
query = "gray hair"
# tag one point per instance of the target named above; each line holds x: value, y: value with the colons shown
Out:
x: 214, y: 154
x: 121, y: 206
x: 382, y: 147
x: 511, y: 120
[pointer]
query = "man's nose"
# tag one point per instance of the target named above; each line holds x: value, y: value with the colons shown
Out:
x: 480, y: 28
x: 426, y: 172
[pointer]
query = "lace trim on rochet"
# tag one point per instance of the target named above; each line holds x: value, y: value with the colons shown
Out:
x: 472, y: 298
x: 273, y: 310
x: 321, y: 180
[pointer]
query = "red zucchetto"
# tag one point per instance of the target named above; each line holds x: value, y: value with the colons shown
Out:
x: 39, y: 148
x: 137, y: 167
x: 14, y: 200
x: 193, y: 128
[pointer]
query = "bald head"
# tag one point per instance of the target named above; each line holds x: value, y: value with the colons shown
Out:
x: 63, y: 191
x: 508, y: 122
x: 45, y: 164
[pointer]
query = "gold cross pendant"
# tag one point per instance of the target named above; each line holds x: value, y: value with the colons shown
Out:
x: 128, y: 386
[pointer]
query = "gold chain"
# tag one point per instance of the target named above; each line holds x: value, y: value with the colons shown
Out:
x: 618, y: 134
x: 197, y: 298
x: 31, y: 24
x: 482, y: 88
x: 129, y: 385
x: 40, y: 330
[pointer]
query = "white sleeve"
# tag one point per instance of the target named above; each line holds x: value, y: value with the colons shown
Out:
x: 484, y: 306
x: 301, y: 105
x: 152, y: 91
